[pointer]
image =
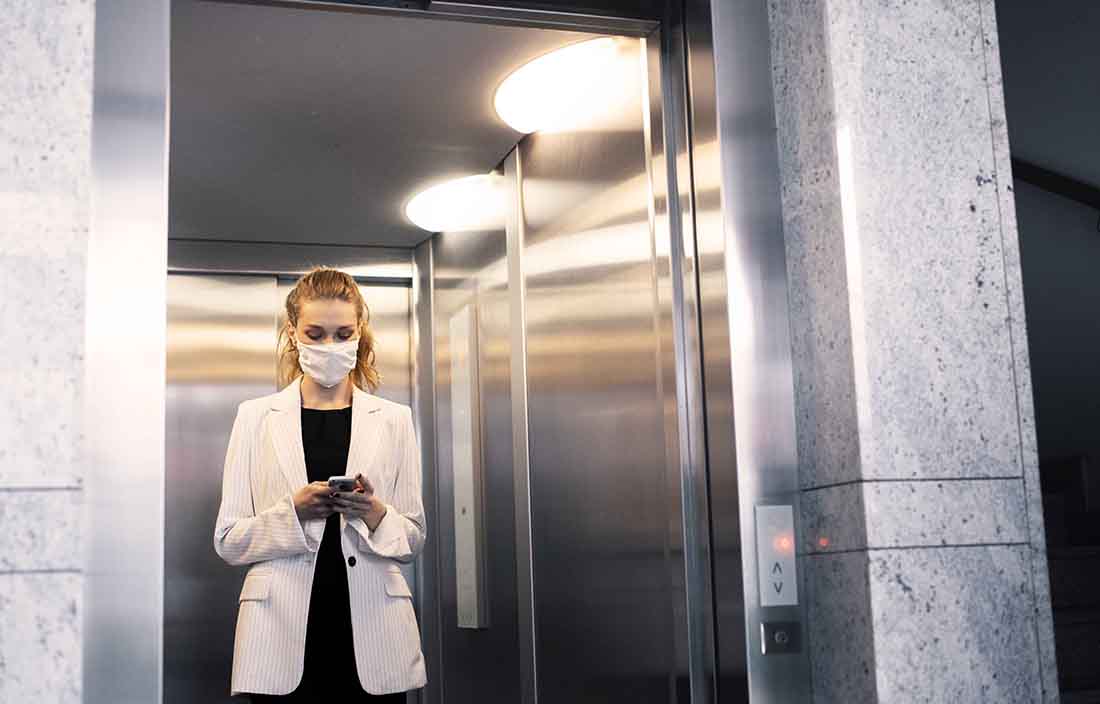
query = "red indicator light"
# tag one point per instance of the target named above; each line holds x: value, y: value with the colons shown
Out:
x: 823, y: 542
x: 783, y: 543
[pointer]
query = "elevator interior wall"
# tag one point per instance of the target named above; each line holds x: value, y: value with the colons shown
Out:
x: 606, y: 576
x: 601, y: 487
x: 470, y: 279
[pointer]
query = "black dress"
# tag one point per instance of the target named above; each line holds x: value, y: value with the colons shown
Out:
x: 330, y: 653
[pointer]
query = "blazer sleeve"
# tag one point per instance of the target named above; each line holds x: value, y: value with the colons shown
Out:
x: 242, y: 536
x: 400, y: 533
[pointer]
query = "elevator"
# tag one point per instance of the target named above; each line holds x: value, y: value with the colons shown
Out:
x: 600, y: 376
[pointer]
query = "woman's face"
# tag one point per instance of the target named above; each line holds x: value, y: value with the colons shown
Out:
x: 323, y: 321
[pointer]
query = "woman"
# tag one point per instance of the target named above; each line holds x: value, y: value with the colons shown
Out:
x: 324, y: 610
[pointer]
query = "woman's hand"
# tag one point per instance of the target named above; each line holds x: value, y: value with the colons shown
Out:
x: 314, y: 500
x: 361, y: 503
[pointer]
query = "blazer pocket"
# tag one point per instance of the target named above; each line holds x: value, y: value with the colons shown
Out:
x: 256, y: 587
x: 396, y: 585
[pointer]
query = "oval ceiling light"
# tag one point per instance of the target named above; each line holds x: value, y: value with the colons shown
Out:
x: 556, y: 91
x: 460, y: 205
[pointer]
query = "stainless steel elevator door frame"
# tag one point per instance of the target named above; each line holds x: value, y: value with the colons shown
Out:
x: 612, y: 18
x: 124, y: 576
x: 744, y: 328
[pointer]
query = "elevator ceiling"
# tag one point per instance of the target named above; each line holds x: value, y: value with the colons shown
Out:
x: 307, y: 125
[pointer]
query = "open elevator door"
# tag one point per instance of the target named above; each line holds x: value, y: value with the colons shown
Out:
x: 727, y: 190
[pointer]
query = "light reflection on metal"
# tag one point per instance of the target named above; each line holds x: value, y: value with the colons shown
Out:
x: 598, y: 425
x: 746, y: 329
x: 460, y: 262
x: 581, y: 87
x: 467, y: 204
x: 123, y: 433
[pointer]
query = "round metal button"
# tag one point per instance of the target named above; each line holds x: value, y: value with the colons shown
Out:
x: 351, y: 560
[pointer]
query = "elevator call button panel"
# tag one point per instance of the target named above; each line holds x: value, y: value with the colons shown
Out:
x: 775, y: 555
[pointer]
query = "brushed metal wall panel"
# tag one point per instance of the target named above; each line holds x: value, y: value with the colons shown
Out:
x: 221, y: 346
x: 681, y: 358
x: 729, y: 591
x: 469, y: 270
x: 467, y: 468
x: 287, y: 259
x: 745, y: 330
x: 600, y: 503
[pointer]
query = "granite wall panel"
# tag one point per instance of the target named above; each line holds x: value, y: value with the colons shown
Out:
x: 915, y: 424
x: 839, y: 627
x: 954, y: 625
x: 45, y: 153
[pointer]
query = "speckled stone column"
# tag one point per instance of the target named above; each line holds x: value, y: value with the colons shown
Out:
x: 45, y: 137
x: 924, y: 555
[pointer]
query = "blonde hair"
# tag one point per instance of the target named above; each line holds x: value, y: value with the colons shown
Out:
x: 326, y: 283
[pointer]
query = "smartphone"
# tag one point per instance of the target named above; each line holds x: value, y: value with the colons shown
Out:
x: 341, y: 483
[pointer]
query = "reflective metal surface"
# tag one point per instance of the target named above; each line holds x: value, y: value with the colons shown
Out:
x: 221, y: 351
x: 467, y: 468
x: 423, y: 403
x: 681, y: 356
x: 469, y: 270
x: 745, y: 330
x: 521, y: 465
x: 612, y: 560
x: 122, y: 605
x: 378, y: 264
x: 611, y: 18
x: 704, y: 219
x: 606, y: 574
x: 623, y: 24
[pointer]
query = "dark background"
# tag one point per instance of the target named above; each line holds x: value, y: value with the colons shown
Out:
x: 1050, y: 54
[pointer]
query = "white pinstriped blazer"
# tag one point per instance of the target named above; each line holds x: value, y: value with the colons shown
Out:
x: 258, y: 526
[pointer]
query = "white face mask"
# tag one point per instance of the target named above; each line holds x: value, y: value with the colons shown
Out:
x: 328, y: 364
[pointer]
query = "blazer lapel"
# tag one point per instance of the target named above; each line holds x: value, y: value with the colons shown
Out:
x: 365, y: 427
x: 286, y: 434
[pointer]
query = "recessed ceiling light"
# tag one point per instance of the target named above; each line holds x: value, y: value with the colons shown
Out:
x: 561, y: 90
x: 460, y: 205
